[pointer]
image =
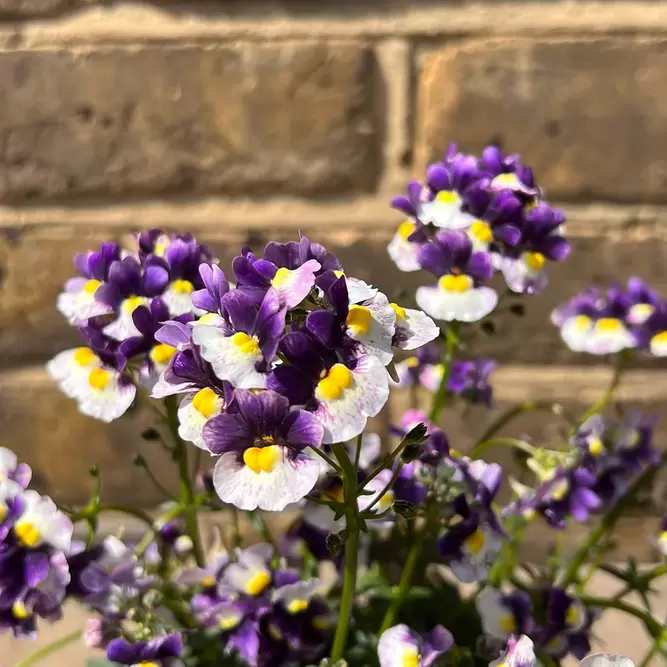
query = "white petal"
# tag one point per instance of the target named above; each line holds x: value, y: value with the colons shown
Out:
x: 609, y: 342
x: 377, y: 340
x: 122, y: 327
x: 322, y: 518
x: 191, y: 421
x: 404, y: 254
x: 293, y: 286
x: 417, y: 329
x: 8, y: 462
x: 358, y: 290
x: 575, y: 335
x: 289, y: 481
x: 395, y: 645
x: 179, y: 303
x: 445, y: 215
x: 469, y: 306
x: 491, y: 610
x: 228, y: 361
x: 80, y: 306
x: 345, y: 418
x: 109, y: 403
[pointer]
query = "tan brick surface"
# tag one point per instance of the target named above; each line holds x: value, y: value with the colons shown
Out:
x: 586, y: 113
x: 261, y: 118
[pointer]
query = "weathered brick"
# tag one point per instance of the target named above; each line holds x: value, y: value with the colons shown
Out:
x: 588, y: 114
x: 45, y: 429
x: 35, y: 263
x: 243, y: 118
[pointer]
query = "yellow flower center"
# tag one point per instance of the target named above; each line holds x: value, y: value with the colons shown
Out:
x: 183, y: 287
x: 595, y: 446
x: 510, y: 180
x: 662, y: 538
x: 359, y: 319
x: 3, y: 513
x: 406, y: 229
x: 338, y: 379
x: 150, y: 663
x: 481, y: 231
x: 385, y: 502
x: 281, y: 277
x: 455, y: 454
x: 99, y: 378
x: 447, y: 197
x: 261, y: 458
x: 208, y: 582
x: 400, y: 312
x: 20, y: 611
x: 161, y: 354
x: 132, y: 303
x: 258, y: 582
x: 476, y: 541
x: 229, y: 622
x: 274, y: 631
x: 205, y: 402
x: 27, y: 533
x: 534, y: 260
x: 659, y: 339
x: 507, y: 623
x: 582, y: 322
x: 608, y: 325
x: 297, y: 606
x: 246, y: 344
x: 84, y: 356
x: 91, y: 286
x: 412, y: 362
x: 338, y: 494
x: 209, y: 318
x: 560, y: 490
x: 452, y: 283
x: 410, y: 657
x: 642, y: 310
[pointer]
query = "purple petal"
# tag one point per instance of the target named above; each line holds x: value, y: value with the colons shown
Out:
x: 436, y: 642
x: 291, y: 382
x: 480, y: 266
x: 155, y: 280
x: 300, y: 351
x: 272, y: 411
x: 174, y: 334
x: 302, y: 429
x: 240, y: 310
x: 324, y: 326
x: 120, y: 650
x: 36, y: 569
x: 270, y: 323
x: 228, y: 433
x: 245, y: 640
x: 433, y: 259
x: 438, y: 178
x: 555, y: 247
x: 509, y: 234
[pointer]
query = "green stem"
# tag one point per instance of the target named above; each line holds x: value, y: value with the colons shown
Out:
x: 653, y: 627
x: 387, y: 488
x: 603, y: 401
x: 347, y: 596
x: 607, y: 524
x: 447, y: 359
x: 650, y: 654
x: 351, y: 550
x: 404, y: 584
x: 514, y: 412
x: 35, y: 657
x: 186, y: 494
x: 481, y: 448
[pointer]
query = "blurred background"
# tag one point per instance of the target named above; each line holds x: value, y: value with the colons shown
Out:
x: 247, y: 121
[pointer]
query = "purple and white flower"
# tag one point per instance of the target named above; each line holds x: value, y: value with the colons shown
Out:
x: 399, y: 646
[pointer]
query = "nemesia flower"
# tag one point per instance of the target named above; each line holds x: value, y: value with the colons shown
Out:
x: 11, y: 469
x: 568, y: 624
x: 373, y: 325
x: 643, y: 301
x: 164, y: 651
x: 342, y: 396
x: 502, y: 615
x: 100, y: 389
x: 413, y: 328
x: 519, y: 653
x: 459, y: 294
x: 242, y: 350
x: 261, y: 447
x: 78, y: 303
x: 41, y: 522
x: 594, y: 322
x: 404, y: 245
x: 399, y: 646
x: 651, y: 335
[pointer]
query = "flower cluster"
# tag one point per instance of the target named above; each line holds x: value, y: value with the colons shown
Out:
x: 555, y: 621
x: 620, y: 318
x: 34, y: 540
x: 471, y: 217
x: 290, y: 359
x: 118, y: 302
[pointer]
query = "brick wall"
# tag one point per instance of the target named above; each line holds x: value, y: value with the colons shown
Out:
x: 241, y: 121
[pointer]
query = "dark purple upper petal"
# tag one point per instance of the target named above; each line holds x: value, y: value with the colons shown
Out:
x: 302, y: 429
x: 228, y: 433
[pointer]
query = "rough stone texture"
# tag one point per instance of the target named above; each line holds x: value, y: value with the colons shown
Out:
x: 588, y: 114
x: 35, y: 263
x: 295, y: 117
x: 30, y: 8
